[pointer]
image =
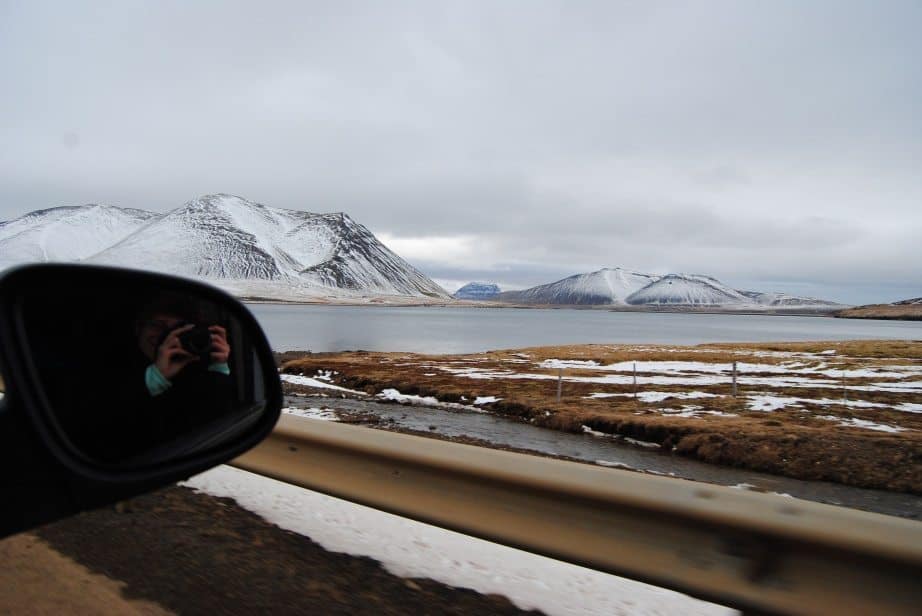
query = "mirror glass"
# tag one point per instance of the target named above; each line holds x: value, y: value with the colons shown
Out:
x: 139, y: 374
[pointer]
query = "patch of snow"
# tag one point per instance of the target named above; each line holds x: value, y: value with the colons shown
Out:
x: 411, y: 400
x: 568, y: 363
x: 486, y: 399
x: 853, y: 422
x: 749, y: 486
x: 634, y: 441
x: 694, y: 412
x: 765, y: 401
x: 615, y: 465
x: 910, y: 385
x: 588, y: 430
x: 309, y: 382
x: 659, y: 396
x: 770, y: 403
x: 395, y: 396
x: 312, y: 413
x: 412, y: 549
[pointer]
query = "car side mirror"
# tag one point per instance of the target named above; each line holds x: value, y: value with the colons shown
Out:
x: 119, y: 381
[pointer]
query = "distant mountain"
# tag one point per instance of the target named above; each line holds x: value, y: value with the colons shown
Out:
x: 619, y: 287
x: 909, y: 302
x: 784, y: 300
x: 66, y: 233
x: 477, y: 290
x: 606, y: 286
x: 687, y: 290
x: 248, y: 248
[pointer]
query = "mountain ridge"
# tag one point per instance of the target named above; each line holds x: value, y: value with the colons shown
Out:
x: 628, y: 288
x: 246, y: 247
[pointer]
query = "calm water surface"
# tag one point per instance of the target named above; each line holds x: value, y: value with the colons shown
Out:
x: 471, y: 330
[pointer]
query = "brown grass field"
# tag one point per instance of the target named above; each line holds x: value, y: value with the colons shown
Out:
x: 904, y: 312
x: 849, y: 412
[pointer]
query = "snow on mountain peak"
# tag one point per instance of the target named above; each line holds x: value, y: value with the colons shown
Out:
x: 247, y: 247
x: 605, y: 286
x: 66, y: 233
x: 618, y: 286
x: 687, y: 290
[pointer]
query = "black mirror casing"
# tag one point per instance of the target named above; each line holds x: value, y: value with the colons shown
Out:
x: 44, y: 476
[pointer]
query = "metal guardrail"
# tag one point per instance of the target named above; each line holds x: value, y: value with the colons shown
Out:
x: 747, y: 550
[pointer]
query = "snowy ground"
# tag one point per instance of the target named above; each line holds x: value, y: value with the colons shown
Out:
x: 845, y: 383
x: 799, y: 371
x: 412, y: 549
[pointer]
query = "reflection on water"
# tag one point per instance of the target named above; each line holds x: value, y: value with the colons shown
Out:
x: 471, y: 330
x: 501, y: 431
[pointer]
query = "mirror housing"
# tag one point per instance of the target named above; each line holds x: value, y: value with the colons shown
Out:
x: 51, y: 317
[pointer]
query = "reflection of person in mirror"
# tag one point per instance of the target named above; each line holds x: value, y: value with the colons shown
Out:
x: 186, y: 374
x: 160, y: 339
x: 179, y: 380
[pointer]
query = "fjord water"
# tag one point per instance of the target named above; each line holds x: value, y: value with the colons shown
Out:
x: 471, y: 329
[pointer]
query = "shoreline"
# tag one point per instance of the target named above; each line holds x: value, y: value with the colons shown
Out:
x: 372, y: 303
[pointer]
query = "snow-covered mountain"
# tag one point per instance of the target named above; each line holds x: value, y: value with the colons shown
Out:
x: 254, y: 250
x: 66, y: 233
x: 785, y: 300
x: 477, y: 290
x: 687, y: 290
x: 606, y: 286
x: 909, y: 302
x: 619, y: 287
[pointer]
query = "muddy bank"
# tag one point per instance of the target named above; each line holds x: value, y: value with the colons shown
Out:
x: 840, y: 412
x: 497, y: 432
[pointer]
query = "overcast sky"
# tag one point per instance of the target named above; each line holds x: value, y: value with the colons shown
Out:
x: 774, y: 145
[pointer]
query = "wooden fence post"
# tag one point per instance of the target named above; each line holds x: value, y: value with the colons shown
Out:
x: 734, y: 379
x: 635, y: 381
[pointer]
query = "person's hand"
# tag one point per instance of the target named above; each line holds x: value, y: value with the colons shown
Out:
x: 171, y: 358
x: 220, y: 349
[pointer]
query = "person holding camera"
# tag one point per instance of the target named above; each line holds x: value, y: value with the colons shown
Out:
x: 186, y: 377
x: 167, y: 375
x: 172, y: 344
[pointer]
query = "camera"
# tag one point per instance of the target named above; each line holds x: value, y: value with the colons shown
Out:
x: 197, y: 341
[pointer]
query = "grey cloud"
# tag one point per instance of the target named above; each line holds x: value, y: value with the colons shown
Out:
x: 737, y: 138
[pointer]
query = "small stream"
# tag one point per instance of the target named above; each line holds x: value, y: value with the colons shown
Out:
x: 501, y: 431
